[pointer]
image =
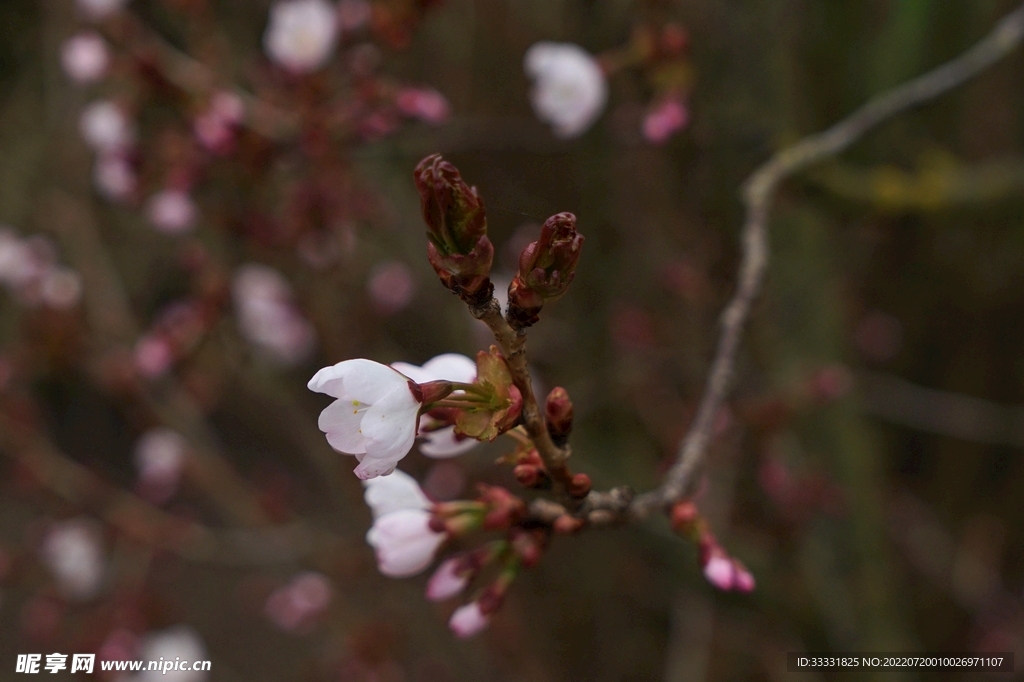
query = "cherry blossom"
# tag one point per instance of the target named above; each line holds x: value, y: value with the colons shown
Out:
x: 85, y: 57
x: 72, y: 551
x: 468, y: 620
x: 442, y: 443
x: 664, y: 120
x: 569, y: 90
x: 178, y: 642
x: 267, y: 316
x: 159, y: 458
x: 300, y: 602
x: 448, y: 580
x: 106, y: 128
x: 114, y: 176
x: 401, y: 534
x: 301, y: 34
x: 374, y: 417
x: 172, y: 211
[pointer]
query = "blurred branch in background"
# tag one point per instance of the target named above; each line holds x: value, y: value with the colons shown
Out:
x: 759, y: 191
x: 942, y: 412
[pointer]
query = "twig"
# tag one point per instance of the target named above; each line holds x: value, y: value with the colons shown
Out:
x: 950, y: 414
x: 758, y: 192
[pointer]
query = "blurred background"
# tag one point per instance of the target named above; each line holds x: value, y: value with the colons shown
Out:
x: 199, y: 215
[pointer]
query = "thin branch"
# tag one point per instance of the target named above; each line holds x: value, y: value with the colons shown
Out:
x: 758, y: 192
x: 949, y: 414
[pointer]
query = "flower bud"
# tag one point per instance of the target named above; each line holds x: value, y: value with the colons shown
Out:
x: 528, y: 475
x: 558, y: 413
x: 546, y: 268
x: 578, y: 486
x: 567, y: 525
x: 459, y: 249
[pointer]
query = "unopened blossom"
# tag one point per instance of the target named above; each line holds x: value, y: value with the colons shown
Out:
x: 153, y: 355
x: 448, y: 580
x: 299, y: 602
x: 114, y: 176
x: 180, y: 642
x: 267, y: 316
x: 160, y: 456
x: 374, y: 417
x: 443, y: 442
x: 85, y: 57
x: 73, y: 552
x: 569, y: 87
x: 401, y: 535
x: 665, y: 120
x: 391, y: 286
x: 215, y: 129
x: 106, y: 128
x: 727, y: 574
x: 301, y: 34
x: 404, y: 542
x: 425, y: 104
x: 172, y: 211
x: 100, y: 9
x: 468, y: 620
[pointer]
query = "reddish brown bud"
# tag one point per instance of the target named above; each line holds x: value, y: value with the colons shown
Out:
x: 431, y: 391
x: 558, y: 413
x: 546, y: 267
x: 459, y: 249
x: 578, y: 486
x: 683, y: 516
x: 567, y: 525
x: 528, y: 475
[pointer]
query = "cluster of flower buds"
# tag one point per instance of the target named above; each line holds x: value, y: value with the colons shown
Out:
x: 409, y: 530
x: 458, y: 246
x: 546, y: 268
x: 720, y: 569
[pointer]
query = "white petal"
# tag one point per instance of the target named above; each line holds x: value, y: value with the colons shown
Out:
x: 442, y: 444
x: 417, y: 374
x: 360, y: 379
x: 340, y: 421
x: 389, y: 426
x: 394, y: 492
x: 404, y: 543
x: 451, y: 367
x: 371, y: 467
x: 446, y: 582
x: 468, y: 620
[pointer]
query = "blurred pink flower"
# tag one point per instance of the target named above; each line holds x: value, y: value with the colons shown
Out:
x: 73, y: 552
x: 374, y: 417
x: 106, y: 128
x: 298, y: 603
x: 172, y: 211
x: 448, y: 580
x: 442, y: 442
x: 114, y: 177
x: 153, y: 355
x: 85, y: 57
x: 665, y: 119
x: 267, y: 316
x: 301, y: 34
x: 391, y: 286
x: 61, y: 288
x: 425, y: 104
x: 468, y: 620
x: 569, y: 87
x: 100, y: 9
x: 160, y: 456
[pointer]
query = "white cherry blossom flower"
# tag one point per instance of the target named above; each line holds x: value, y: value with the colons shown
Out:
x: 395, y: 492
x: 442, y: 443
x: 374, y: 417
x: 73, y: 552
x: 85, y: 57
x: 178, y: 642
x: 301, y: 34
x: 267, y: 315
x: 106, y: 128
x: 114, y: 177
x: 468, y: 620
x: 569, y: 90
